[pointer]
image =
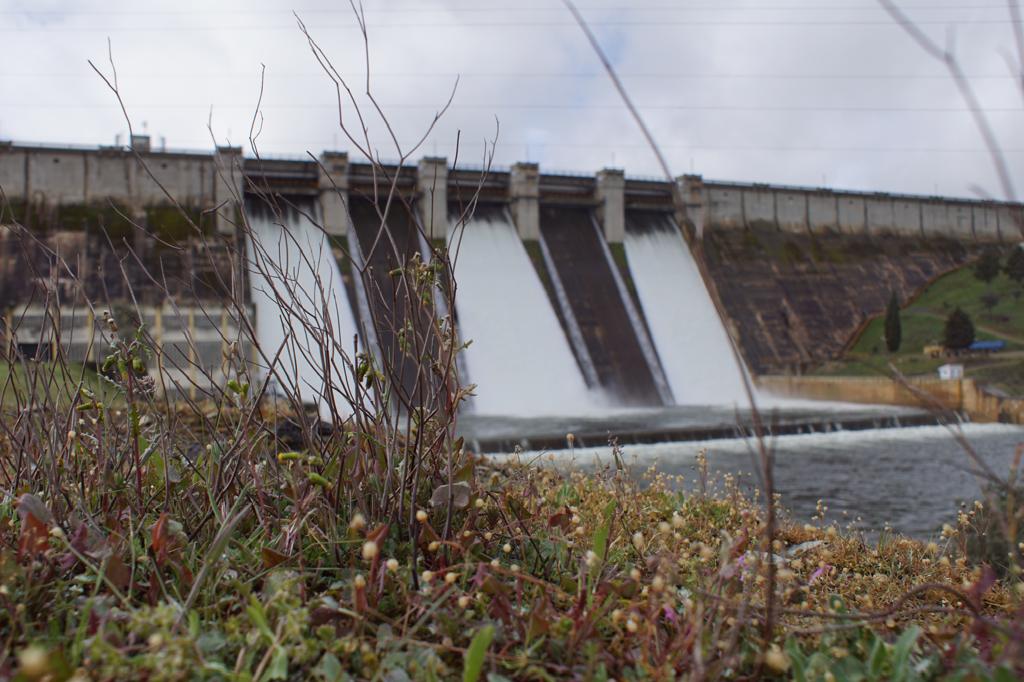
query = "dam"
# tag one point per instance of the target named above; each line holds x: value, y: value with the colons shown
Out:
x: 579, y: 293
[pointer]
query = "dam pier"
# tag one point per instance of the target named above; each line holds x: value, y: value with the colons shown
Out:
x: 581, y: 289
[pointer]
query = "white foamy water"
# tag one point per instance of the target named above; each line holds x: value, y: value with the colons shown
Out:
x: 298, y: 266
x: 691, y: 341
x: 520, y: 358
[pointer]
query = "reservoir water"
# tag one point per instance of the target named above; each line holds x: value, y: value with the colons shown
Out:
x: 911, y: 479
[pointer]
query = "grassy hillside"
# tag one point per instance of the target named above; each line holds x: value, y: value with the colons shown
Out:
x: 996, y: 308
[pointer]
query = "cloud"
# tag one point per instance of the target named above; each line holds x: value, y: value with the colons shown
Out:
x: 832, y: 94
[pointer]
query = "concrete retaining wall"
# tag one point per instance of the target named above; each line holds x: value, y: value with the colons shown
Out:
x: 965, y: 395
x: 823, y: 211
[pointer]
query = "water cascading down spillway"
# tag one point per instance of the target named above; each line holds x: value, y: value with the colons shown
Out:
x: 692, y: 342
x: 295, y: 283
x: 519, y: 357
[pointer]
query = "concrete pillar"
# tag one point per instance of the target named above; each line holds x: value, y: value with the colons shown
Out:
x: 524, y: 195
x: 691, y: 189
x: 611, y: 207
x: 432, y: 190
x: 333, y: 183
x: 229, y: 187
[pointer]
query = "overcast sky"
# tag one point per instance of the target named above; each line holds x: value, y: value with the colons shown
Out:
x: 810, y: 92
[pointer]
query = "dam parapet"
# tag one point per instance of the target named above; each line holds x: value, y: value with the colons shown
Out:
x: 797, y: 270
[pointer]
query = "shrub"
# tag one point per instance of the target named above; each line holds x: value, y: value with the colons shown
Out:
x: 1015, y: 265
x: 987, y: 268
x: 893, y: 328
x: 959, y: 331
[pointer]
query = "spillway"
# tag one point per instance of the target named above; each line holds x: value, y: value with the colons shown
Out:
x: 290, y: 258
x: 520, y: 358
x: 691, y: 341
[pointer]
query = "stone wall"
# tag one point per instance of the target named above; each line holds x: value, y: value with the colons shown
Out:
x: 796, y: 299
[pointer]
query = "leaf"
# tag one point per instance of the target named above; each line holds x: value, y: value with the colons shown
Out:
x: 465, y: 474
x: 117, y: 572
x: 876, y: 659
x: 161, y: 539
x: 329, y: 668
x: 35, y: 525
x: 259, y: 617
x: 271, y: 557
x: 601, y: 534
x: 473, y: 663
x: 30, y: 504
x: 458, y: 492
x: 901, y: 653
x: 278, y: 669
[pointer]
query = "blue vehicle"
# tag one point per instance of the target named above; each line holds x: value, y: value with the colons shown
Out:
x: 987, y: 346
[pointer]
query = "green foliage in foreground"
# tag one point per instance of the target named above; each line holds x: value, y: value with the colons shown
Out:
x: 545, y: 577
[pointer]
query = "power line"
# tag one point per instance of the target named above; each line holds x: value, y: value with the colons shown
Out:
x: 521, y: 74
x: 512, y: 8
x: 503, y: 24
x: 552, y: 107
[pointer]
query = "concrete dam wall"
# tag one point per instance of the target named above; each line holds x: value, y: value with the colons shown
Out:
x: 583, y: 283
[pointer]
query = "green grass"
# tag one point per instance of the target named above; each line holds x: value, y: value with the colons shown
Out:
x: 17, y: 379
x: 923, y: 321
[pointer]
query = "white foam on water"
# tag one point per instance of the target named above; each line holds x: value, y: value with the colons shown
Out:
x: 295, y: 262
x: 675, y: 451
x: 519, y: 358
x: 692, y: 343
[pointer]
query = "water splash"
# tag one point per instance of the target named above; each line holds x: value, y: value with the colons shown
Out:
x: 520, y: 358
x: 691, y: 341
x: 290, y: 259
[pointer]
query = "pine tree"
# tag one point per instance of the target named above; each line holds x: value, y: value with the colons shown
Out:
x: 893, y: 328
x: 987, y: 267
x: 959, y: 331
x: 1015, y: 265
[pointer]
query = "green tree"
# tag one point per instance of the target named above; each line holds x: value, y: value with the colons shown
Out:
x: 959, y: 331
x: 987, y: 268
x: 1015, y: 265
x: 893, y: 328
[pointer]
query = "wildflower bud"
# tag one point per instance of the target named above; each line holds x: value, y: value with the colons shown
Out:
x: 34, y: 662
x: 421, y: 516
x: 451, y: 577
x: 506, y: 548
x: 631, y: 625
x: 464, y: 602
x: 638, y: 541
x: 495, y: 563
x: 617, y: 616
x: 357, y: 523
x: 72, y: 435
x: 479, y: 504
x: 658, y: 584
x: 359, y: 581
x: 488, y: 536
x: 664, y: 528
x: 370, y: 550
x: 434, y: 546
x: 677, y: 520
x: 590, y: 558
x: 776, y: 659
x: 514, y: 568
x: 634, y: 573
x: 428, y: 576
x: 155, y: 640
x: 392, y: 565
